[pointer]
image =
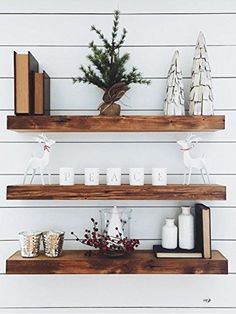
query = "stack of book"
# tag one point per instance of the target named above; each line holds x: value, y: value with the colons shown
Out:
x: 32, y: 89
x: 202, y: 238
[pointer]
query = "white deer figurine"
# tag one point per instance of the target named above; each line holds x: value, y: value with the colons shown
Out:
x: 193, y: 163
x: 37, y: 163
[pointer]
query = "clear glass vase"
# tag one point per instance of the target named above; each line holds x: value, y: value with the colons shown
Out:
x: 115, y: 223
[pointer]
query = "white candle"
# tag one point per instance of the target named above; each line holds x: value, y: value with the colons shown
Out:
x: 66, y: 176
x: 159, y: 176
x: 114, y: 223
x: 91, y: 176
x: 136, y: 176
x: 113, y: 176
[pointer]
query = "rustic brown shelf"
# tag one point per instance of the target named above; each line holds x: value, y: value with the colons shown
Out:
x: 115, y: 124
x: 121, y: 192
x: 138, y: 262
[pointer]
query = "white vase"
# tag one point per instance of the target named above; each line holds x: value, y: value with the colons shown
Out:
x: 186, y: 229
x: 169, y: 234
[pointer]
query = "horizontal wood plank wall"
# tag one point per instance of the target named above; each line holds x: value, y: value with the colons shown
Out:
x: 155, y: 30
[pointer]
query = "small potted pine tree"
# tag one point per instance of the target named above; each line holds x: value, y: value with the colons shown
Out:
x: 107, y: 70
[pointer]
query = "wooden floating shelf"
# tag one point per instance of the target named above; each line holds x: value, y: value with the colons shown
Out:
x: 120, y: 192
x: 116, y: 124
x: 138, y: 262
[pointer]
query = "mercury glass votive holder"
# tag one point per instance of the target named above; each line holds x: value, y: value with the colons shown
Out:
x: 30, y: 243
x: 53, y: 243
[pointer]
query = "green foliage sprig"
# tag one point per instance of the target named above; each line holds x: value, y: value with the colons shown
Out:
x: 107, y: 66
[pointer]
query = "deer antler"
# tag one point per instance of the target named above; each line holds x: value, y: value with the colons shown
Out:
x: 44, y: 137
x: 41, y: 138
x: 189, y: 137
x: 192, y: 138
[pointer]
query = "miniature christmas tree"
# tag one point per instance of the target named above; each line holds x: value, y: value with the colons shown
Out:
x: 108, y: 69
x: 201, y: 97
x: 174, y: 101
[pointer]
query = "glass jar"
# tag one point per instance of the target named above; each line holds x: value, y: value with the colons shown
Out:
x: 116, y: 220
x: 115, y: 223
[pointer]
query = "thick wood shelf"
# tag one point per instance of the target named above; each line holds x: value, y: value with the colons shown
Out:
x: 116, y: 124
x: 138, y: 262
x: 121, y: 192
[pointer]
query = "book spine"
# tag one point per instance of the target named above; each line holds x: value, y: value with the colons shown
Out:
x: 41, y: 94
x: 24, y: 67
x: 38, y: 93
x: 14, y: 65
x: 33, y: 67
x: 46, y: 94
x: 198, y: 229
x: 206, y: 220
x: 21, y: 84
x: 203, y: 229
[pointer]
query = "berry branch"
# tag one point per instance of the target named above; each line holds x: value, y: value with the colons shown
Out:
x: 106, y: 243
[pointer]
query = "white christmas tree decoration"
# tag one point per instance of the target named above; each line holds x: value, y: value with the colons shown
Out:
x: 201, y: 97
x: 174, y: 101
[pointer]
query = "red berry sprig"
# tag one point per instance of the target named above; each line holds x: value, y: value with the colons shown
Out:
x: 106, y: 243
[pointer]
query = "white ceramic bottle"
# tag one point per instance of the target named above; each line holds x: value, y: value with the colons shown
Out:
x: 186, y: 229
x: 169, y: 234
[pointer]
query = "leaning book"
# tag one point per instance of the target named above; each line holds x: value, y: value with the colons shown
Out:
x: 203, y: 229
x: 25, y: 65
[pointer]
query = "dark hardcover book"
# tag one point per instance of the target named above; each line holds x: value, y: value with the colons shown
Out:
x: 175, y: 253
x: 203, y: 229
x: 41, y: 94
x: 25, y: 65
x: 198, y: 228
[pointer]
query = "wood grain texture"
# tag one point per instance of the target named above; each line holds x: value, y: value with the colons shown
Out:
x: 116, y: 124
x: 121, y: 192
x: 138, y: 262
x: 7, y: 248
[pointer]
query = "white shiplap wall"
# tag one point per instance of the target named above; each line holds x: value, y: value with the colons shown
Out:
x: 57, y: 33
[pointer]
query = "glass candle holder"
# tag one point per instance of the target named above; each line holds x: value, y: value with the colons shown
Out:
x: 115, y: 226
x: 116, y: 220
x: 30, y: 243
x: 53, y: 243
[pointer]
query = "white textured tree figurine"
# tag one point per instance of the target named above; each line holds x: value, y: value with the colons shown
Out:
x: 174, y: 101
x: 201, y: 97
